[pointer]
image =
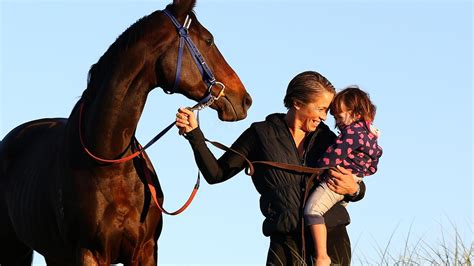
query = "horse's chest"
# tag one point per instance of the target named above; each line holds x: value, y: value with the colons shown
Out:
x: 115, y: 202
x: 118, y: 215
x: 120, y: 197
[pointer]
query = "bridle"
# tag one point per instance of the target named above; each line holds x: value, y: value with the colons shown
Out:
x: 206, y: 100
x: 207, y: 76
x: 206, y: 72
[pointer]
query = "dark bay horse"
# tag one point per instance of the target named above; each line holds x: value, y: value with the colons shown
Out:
x: 73, y: 210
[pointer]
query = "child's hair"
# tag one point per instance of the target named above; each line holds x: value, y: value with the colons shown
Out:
x: 356, y: 101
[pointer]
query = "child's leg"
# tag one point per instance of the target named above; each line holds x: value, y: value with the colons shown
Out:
x: 320, y: 201
x: 319, y: 234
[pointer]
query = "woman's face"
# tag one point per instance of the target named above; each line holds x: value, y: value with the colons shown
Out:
x: 310, y: 115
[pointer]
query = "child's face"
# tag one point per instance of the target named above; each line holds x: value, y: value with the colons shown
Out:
x: 344, y: 118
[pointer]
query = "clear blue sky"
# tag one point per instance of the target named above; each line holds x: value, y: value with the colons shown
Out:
x: 413, y: 57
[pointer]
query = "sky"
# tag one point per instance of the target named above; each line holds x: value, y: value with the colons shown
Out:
x: 413, y: 57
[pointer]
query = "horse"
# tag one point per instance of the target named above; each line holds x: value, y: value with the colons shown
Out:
x: 56, y: 199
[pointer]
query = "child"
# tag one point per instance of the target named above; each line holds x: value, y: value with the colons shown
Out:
x: 356, y: 149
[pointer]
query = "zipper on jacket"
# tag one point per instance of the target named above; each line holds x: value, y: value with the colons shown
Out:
x: 310, y: 144
x: 301, y: 160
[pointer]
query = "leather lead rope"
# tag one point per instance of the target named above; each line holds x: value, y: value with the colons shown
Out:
x: 315, y: 173
x: 152, y: 188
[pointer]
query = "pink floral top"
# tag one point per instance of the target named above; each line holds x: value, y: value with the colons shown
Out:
x: 356, y: 148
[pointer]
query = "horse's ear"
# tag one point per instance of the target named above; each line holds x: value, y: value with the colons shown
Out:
x: 183, y: 7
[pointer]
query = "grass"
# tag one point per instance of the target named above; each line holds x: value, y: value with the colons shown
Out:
x: 452, y: 249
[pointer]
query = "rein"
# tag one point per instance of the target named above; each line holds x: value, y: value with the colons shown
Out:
x: 141, y: 149
x: 139, y: 154
x: 207, y: 100
x: 250, y: 170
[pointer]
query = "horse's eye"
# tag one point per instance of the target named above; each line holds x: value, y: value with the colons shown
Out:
x: 210, y: 42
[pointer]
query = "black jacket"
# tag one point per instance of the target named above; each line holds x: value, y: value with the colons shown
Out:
x: 281, y: 191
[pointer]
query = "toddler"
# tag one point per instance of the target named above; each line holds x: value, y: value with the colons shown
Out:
x: 356, y: 148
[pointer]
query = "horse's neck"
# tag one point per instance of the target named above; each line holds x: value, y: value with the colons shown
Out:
x: 113, y: 116
x: 118, y: 93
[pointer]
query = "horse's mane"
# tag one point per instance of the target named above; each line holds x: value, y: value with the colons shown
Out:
x: 100, y: 70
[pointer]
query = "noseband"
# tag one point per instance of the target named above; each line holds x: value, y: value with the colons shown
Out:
x: 206, y: 72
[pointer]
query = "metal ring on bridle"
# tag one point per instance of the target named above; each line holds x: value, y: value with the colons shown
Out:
x: 221, y: 92
x: 209, y: 98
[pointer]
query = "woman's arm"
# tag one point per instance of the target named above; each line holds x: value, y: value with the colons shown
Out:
x: 214, y: 170
x: 342, y: 182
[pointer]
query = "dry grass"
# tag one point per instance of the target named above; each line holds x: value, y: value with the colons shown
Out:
x: 452, y: 249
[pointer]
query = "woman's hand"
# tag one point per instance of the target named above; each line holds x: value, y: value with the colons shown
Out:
x: 342, y: 181
x: 185, y: 121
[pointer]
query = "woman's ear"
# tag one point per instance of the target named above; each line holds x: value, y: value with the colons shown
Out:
x: 297, y: 105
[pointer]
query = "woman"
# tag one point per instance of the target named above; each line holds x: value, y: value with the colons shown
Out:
x: 297, y: 137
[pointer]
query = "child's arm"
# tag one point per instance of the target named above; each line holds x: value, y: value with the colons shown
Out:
x: 346, y: 142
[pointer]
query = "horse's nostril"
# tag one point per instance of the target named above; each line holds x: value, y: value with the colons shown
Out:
x: 247, y: 101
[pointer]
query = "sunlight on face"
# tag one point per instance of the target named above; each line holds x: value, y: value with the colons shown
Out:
x: 311, y: 114
x: 344, y: 118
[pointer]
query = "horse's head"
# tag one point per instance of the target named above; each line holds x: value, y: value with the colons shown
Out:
x: 190, y: 80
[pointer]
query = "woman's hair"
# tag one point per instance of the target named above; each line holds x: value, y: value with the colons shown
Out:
x: 356, y: 101
x: 304, y: 86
